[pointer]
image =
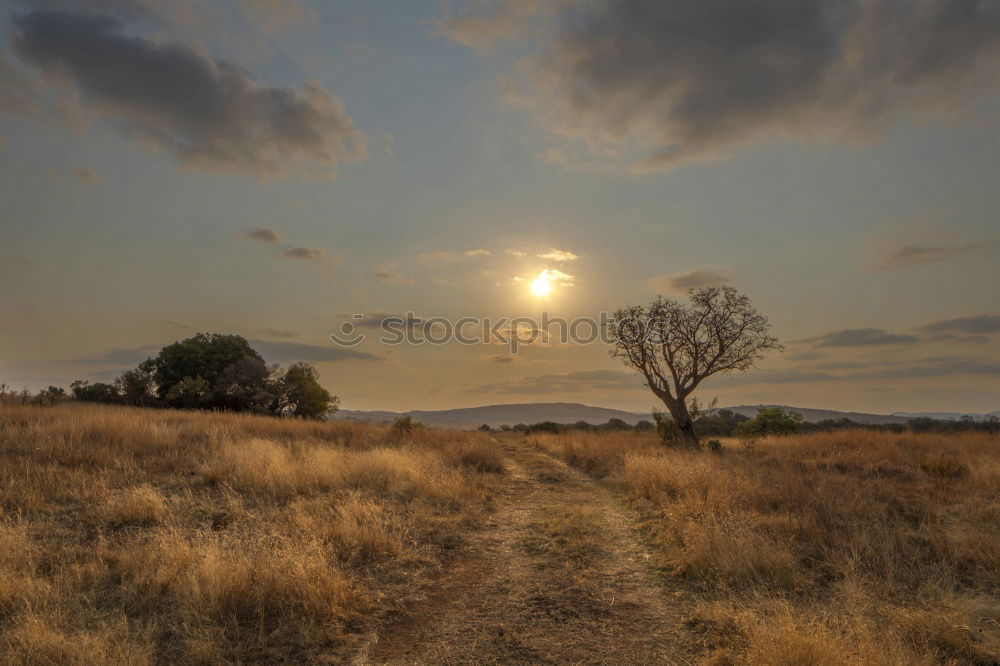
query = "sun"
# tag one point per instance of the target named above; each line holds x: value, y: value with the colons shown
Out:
x: 541, y: 285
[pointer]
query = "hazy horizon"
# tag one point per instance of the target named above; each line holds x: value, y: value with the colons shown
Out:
x: 272, y: 168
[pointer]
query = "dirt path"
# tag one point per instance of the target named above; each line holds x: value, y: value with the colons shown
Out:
x: 558, y: 575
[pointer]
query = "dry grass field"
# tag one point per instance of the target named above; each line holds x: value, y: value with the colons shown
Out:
x: 850, y: 547
x: 134, y: 536
x: 137, y: 536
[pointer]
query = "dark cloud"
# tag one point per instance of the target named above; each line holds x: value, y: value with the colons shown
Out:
x: 776, y: 377
x: 109, y: 364
x: 941, y: 366
x: 984, y: 324
x: 304, y: 253
x: 909, y: 255
x: 807, y: 355
x: 173, y: 324
x: 861, y: 337
x: 122, y: 356
x: 570, y: 382
x: 210, y: 114
x: 272, y: 351
x: 696, y: 78
x: 694, y: 279
x: 292, y: 352
x: 377, y: 320
x: 263, y: 235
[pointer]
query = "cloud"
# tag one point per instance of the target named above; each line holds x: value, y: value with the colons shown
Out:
x: 452, y: 256
x: 861, y: 337
x: 88, y: 176
x: 481, y: 24
x: 777, y: 377
x: 925, y: 368
x: 211, y: 115
x: 304, y: 253
x: 21, y: 93
x: 941, y: 366
x: 376, y: 320
x: 911, y: 255
x: 559, y: 255
x: 984, y: 324
x: 264, y: 235
x: 553, y: 275
x: 279, y: 333
x: 807, y: 355
x: 292, y: 352
x: 696, y: 79
x: 120, y: 356
x: 693, y: 279
x: 387, y: 275
x: 500, y: 358
x: 173, y: 324
x: 108, y: 365
x: 274, y: 15
x: 272, y: 351
x: 56, y: 371
x: 570, y: 382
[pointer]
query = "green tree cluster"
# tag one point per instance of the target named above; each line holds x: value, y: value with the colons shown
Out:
x: 219, y: 372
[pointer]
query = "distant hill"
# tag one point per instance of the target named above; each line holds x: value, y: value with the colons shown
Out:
x: 817, y: 415
x: 946, y: 416
x: 497, y: 415
x: 570, y: 412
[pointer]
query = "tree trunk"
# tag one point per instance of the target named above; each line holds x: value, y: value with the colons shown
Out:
x: 684, y: 424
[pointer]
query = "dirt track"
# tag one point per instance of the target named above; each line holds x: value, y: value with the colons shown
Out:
x: 559, y: 574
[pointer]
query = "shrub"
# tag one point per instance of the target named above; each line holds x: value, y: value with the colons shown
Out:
x: 545, y: 426
x: 943, y: 467
x: 404, y: 426
x: 771, y: 421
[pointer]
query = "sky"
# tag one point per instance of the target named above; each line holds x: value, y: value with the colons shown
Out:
x: 275, y: 168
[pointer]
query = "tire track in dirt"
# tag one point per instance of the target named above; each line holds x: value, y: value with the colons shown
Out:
x: 558, y: 574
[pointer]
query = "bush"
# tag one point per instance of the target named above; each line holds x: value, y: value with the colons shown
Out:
x: 771, y: 421
x: 545, y: 426
x: 404, y: 426
x: 666, y: 429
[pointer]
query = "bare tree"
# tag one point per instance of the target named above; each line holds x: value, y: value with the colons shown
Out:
x: 675, y: 346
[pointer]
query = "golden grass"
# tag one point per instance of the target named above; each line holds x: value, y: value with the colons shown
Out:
x: 848, y: 547
x: 133, y: 536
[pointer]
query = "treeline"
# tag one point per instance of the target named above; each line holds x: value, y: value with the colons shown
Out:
x: 209, y: 371
x: 727, y: 423
x: 720, y: 422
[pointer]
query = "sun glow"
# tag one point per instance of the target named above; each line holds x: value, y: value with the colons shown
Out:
x: 541, y: 285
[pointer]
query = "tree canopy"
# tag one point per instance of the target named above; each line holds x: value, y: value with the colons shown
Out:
x: 675, y: 346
